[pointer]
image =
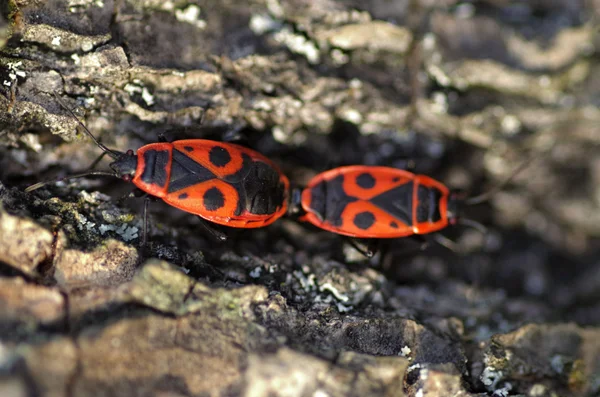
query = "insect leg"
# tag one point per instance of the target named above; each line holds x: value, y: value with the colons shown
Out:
x: 213, y: 233
x: 421, y: 240
x: 137, y: 193
x: 134, y: 193
x: 367, y: 247
x: 446, y: 242
x: 163, y: 138
x: 407, y: 246
x: 145, y: 237
x: 95, y: 162
x: 235, y: 135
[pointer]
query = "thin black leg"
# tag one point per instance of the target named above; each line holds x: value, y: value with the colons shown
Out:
x: 137, y: 193
x: 162, y: 138
x: 95, y: 162
x: 213, y: 233
x: 145, y: 237
x: 422, y: 242
x: 446, y: 242
x: 134, y: 193
x: 234, y: 135
x: 367, y: 247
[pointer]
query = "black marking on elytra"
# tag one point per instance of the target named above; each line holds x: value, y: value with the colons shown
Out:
x: 428, y: 209
x: 328, y: 200
x: 365, y: 180
x: 213, y: 199
x: 186, y: 172
x: 364, y: 220
x: 395, y: 179
x: 155, y: 167
x: 219, y: 156
x: 423, y: 204
x: 182, y: 196
x: 259, y: 189
x: 264, y: 192
x: 394, y: 225
x: 237, y: 181
x: 243, y: 172
x: 188, y: 148
x: 397, y: 202
x: 434, y: 198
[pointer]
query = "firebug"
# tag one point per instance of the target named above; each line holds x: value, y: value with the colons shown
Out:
x: 375, y: 202
x: 221, y: 182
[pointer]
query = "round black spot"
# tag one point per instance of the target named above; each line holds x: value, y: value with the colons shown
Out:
x: 394, y: 225
x: 213, y: 199
x: 182, y: 196
x: 188, y: 148
x: 364, y: 220
x: 395, y: 179
x: 365, y: 180
x: 219, y: 156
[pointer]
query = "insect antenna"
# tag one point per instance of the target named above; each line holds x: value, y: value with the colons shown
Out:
x: 110, y: 152
x: 473, y: 224
x: 446, y: 242
x: 66, y: 178
x: 486, y: 196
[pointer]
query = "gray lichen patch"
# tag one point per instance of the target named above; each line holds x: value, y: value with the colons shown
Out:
x: 317, y: 101
x: 36, y: 115
x: 492, y: 75
x: 172, y: 80
x: 566, y: 355
x: 106, y: 64
x: 373, y: 35
x: 87, y: 219
x: 61, y: 41
x: 436, y: 381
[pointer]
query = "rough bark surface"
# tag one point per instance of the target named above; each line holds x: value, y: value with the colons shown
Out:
x: 464, y: 91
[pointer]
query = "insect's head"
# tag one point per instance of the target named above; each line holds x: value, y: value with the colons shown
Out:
x: 455, y: 206
x: 125, y: 165
x: 457, y: 201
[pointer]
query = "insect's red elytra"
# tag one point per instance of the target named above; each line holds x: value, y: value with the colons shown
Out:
x: 377, y: 202
x: 221, y: 182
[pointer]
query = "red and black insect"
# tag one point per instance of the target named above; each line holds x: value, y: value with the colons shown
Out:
x: 221, y: 182
x: 382, y: 202
x: 377, y: 202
